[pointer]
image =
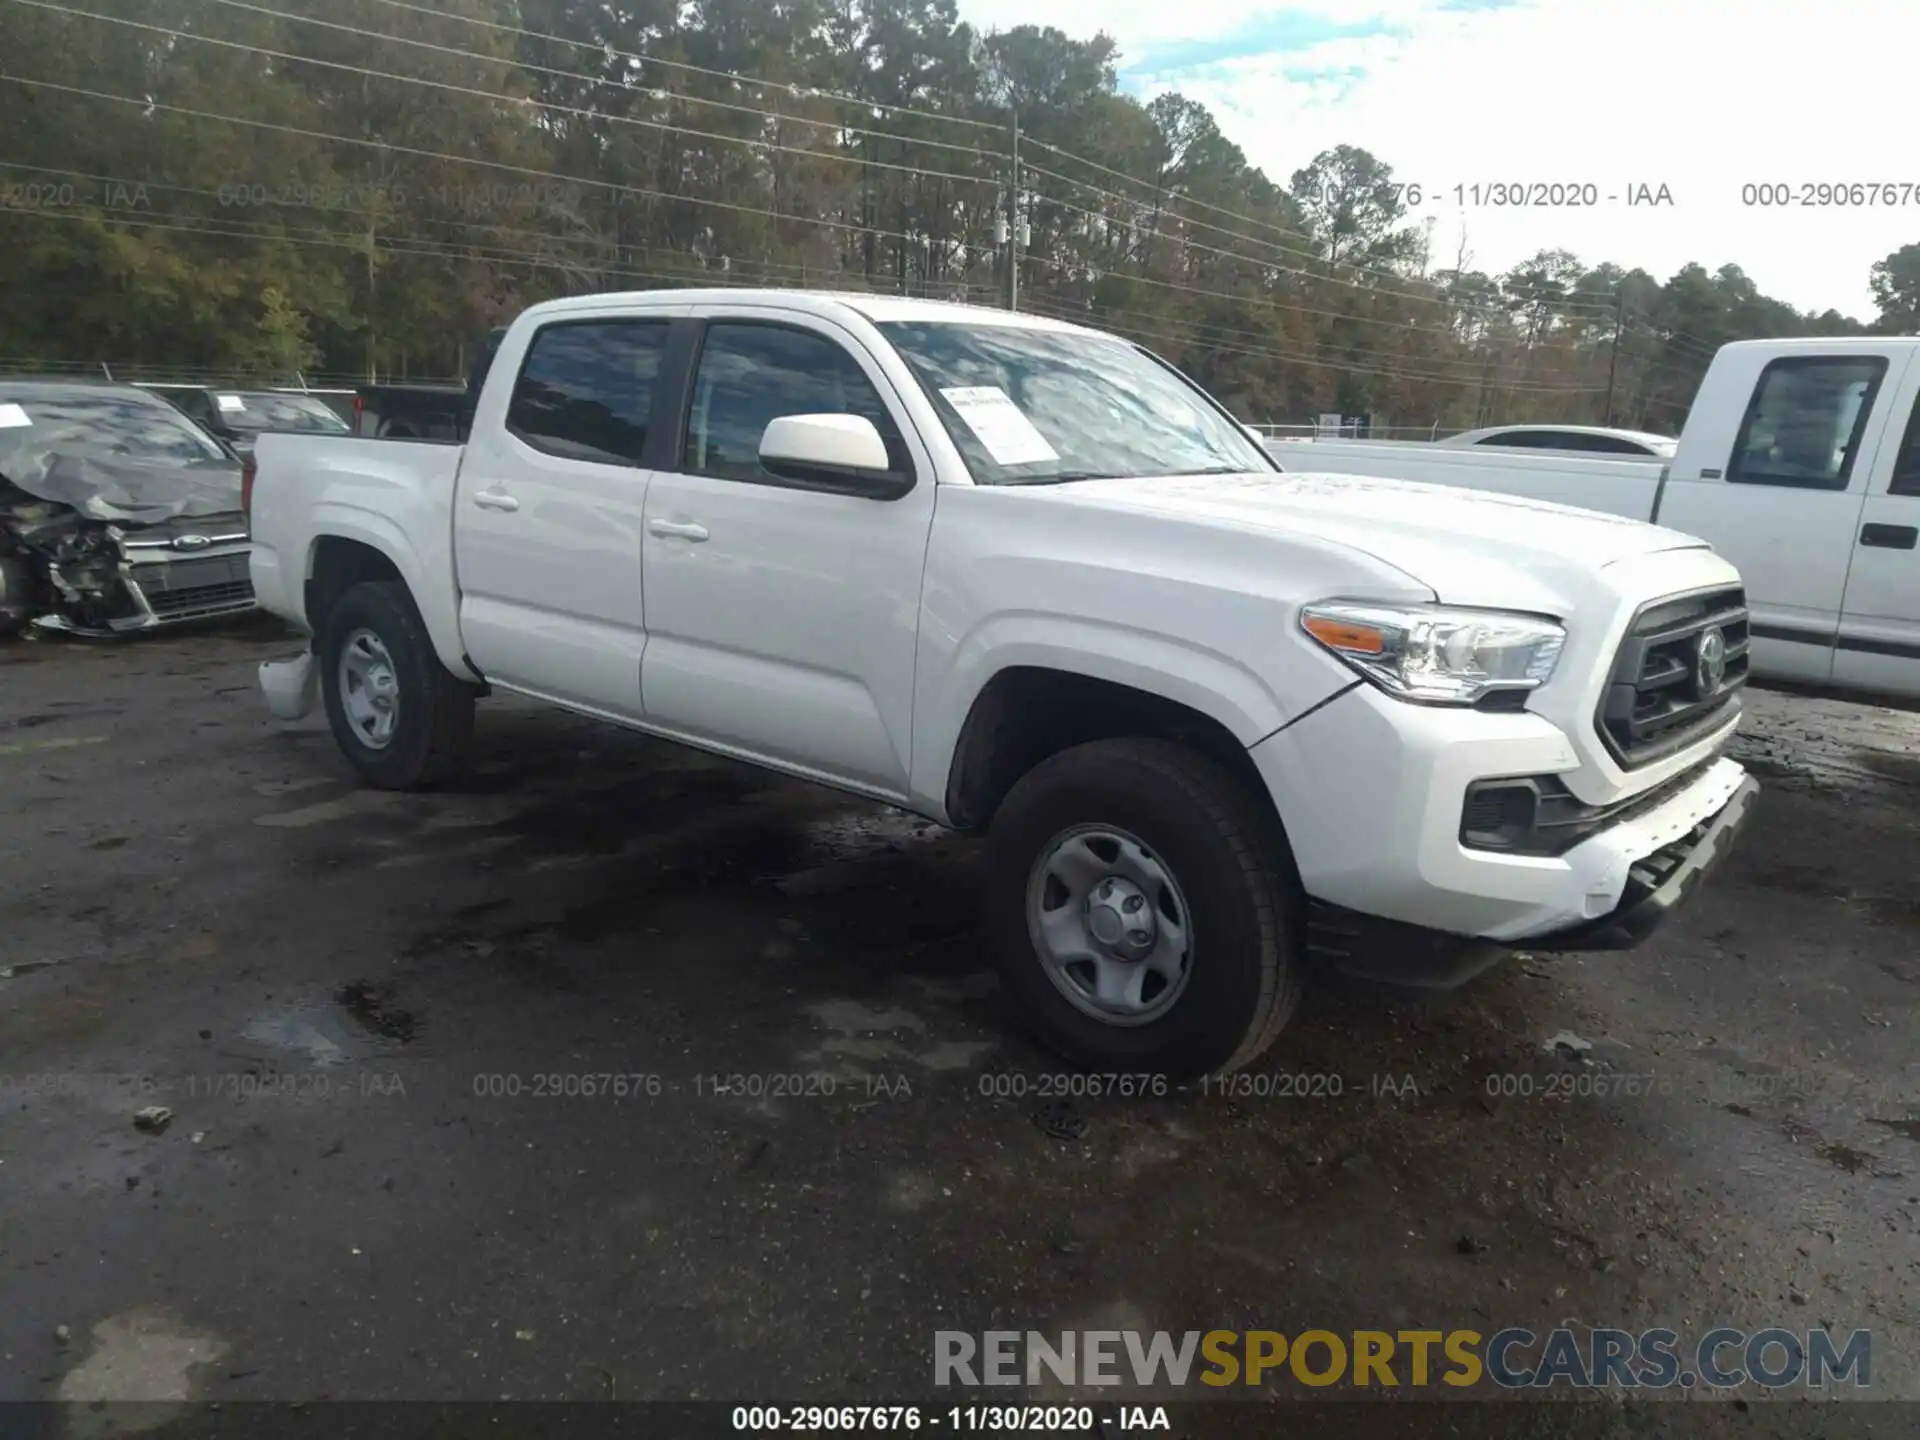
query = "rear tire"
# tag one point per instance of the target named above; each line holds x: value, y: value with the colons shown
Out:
x: 1157, y: 836
x: 402, y: 719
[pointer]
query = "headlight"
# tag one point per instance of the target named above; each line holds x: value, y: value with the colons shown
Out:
x: 1438, y: 654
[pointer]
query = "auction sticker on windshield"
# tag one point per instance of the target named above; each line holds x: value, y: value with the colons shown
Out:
x: 229, y: 402
x: 1000, y: 425
x: 12, y: 417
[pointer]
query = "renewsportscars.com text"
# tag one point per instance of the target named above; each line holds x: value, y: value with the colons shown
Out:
x: 1512, y: 1358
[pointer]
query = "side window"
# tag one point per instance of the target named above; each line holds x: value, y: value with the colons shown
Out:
x: 1906, y: 465
x: 1523, y: 439
x: 1614, y: 445
x: 751, y: 374
x: 1803, y: 426
x: 585, y: 391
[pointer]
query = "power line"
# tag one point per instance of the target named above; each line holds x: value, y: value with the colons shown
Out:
x: 608, y: 51
x: 1260, y: 299
x: 550, y: 105
x: 1678, y: 340
x: 1439, y: 327
x: 616, y: 85
x: 577, y: 239
x: 1171, y: 197
x: 1318, y: 278
x: 397, y: 149
x: 242, y: 230
x: 1560, y: 303
x: 1207, y: 328
x: 1055, y: 312
x: 1564, y: 304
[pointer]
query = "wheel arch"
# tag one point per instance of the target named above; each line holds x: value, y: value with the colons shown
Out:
x: 1026, y: 713
x: 351, y: 547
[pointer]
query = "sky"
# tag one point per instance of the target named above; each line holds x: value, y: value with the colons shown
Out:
x: 1703, y: 97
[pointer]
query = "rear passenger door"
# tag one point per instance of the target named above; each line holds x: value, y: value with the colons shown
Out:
x: 547, y: 519
x: 782, y: 618
x: 1879, y: 645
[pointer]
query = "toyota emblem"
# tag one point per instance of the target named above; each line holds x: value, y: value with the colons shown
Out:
x: 1710, y: 661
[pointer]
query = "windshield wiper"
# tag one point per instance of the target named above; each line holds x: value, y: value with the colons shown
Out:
x: 1063, y: 478
x: 1067, y: 476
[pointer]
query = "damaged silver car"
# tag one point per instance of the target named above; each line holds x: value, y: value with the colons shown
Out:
x: 117, y: 513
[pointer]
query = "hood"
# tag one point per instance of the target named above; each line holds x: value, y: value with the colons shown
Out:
x: 1471, y: 547
x: 120, y: 490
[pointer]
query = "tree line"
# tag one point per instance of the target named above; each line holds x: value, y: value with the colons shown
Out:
x: 262, y: 188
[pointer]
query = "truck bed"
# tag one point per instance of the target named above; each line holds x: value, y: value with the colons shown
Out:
x: 394, y: 495
x: 1613, y: 486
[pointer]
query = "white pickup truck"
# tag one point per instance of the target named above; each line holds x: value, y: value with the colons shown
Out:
x: 1222, y: 724
x: 1799, y: 461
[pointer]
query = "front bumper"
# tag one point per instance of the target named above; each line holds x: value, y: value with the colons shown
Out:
x: 167, y: 586
x: 1371, y: 789
x: 1658, y: 884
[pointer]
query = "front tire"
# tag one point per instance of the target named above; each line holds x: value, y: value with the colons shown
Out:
x: 1143, y: 910
x: 401, y: 718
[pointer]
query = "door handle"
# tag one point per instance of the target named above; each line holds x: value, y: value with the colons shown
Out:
x: 1890, y: 537
x: 677, y: 530
x: 495, y: 500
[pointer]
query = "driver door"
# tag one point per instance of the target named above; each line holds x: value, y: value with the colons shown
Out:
x: 782, y: 620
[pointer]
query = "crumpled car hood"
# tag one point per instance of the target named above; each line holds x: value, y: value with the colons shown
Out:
x: 125, y: 491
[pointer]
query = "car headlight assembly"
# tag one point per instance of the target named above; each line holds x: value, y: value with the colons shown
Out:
x: 1438, y: 654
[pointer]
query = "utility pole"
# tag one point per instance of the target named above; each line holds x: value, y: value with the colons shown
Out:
x: 1613, y: 360
x: 1013, y: 218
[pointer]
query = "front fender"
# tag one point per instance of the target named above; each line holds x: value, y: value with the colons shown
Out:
x: 1214, y: 684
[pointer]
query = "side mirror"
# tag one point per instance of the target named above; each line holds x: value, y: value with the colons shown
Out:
x: 840, y: 453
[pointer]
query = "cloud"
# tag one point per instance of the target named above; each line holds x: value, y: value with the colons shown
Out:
x: 1706, y: 98
x: 1277, y: 33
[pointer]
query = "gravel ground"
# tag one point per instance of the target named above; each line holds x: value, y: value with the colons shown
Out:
x: 370, y: 1014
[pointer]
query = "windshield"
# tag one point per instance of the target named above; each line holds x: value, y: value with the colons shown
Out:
x: 102, y: 423
x: 1033, y: 407
x: 277, y: 412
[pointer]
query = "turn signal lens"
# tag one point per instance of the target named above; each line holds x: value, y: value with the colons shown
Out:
x: 1438, y: 654
x: 1345, y: 635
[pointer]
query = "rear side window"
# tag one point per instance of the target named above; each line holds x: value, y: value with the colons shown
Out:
x: 586, y: 389
x: 1612, y: 445
x: 1805, y: 421
x: 1517, y: 439
x: 1906, y: 465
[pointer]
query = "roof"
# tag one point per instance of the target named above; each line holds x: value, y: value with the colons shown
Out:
x: 265, y: 391
x: 876, y: 308
x: 1830, y: 344
x: 1646, y: 437
x: 18, y: 386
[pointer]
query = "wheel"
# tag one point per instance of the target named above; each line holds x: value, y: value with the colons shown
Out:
x: 1143, y: 910
x: 399, y: 715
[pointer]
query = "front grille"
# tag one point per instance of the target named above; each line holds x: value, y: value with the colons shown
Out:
x: 176, y: 589
x: 1662, y: 694
x: 172, y: 528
